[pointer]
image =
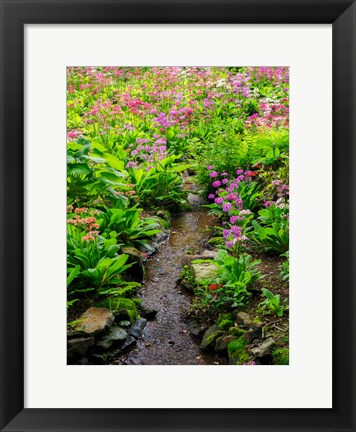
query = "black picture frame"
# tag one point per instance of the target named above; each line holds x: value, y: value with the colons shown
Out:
x: 14, y: 15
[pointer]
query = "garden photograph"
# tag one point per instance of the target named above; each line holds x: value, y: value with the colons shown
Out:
x: 177, y: 215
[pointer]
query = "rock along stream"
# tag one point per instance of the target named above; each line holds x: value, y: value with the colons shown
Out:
x: 166, y: 340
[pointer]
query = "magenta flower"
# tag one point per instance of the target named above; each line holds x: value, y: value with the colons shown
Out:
x: 234, y: 219
x: 211, y: 196
x: 216, y: 184
x: 226, y: 207
x: 226, y: 233
x: 213, y: 174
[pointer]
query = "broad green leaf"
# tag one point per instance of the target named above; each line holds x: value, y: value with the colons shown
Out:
x: 73, y: 274
x: 78, y: 168
x: 114, y: 162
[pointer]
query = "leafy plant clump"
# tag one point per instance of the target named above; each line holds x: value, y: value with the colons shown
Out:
x: 235, y: 275
x: 273, y: 303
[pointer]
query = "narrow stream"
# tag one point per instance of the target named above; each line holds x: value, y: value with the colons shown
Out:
x: 166, y: 339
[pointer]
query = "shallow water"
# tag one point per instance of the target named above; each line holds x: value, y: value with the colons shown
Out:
x: 166, y: 339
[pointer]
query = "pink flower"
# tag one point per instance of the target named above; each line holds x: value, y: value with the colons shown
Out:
x: 234, y: 219
x: 226, y: 207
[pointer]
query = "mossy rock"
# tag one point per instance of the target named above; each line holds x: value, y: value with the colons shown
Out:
x: 222, y: 343
x: 236, y: 331
x: 204, y: 271
x: 281, y: 356
x: 257, y: 322
x: 124, y: 309
x: 225, y: 324
x: 225, y: 321
x: 210, y: 337
x: 225, y: 317
x: 252, y: 334
x: 237, y: 351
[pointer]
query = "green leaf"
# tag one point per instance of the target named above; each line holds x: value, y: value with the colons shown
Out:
x: 78, y: 168
x: 114, y: 178
x: 170, y: 133
x: 73, y: 274
x: 114, y: 162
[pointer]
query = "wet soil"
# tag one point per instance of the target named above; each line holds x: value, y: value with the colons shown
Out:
x: 166, y: 340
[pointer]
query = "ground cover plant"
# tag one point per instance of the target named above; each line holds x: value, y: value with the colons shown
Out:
x: 144, y: 145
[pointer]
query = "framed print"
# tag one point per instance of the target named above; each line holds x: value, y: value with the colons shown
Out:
x: 149, y: 278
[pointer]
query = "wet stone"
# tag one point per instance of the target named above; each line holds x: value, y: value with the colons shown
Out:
x: 255, y: 332
x: 124, y: 323
x: 264, y: 348
x: 205, y: 271
x: 98, y: 359
x: 115, y: 335
x: 222, y: 343
x: 138, y: 327
x: 252, y: 334
x: 210, y: 254
x: 79, y: 346
x: 196, y: 328
x: 95, y: 320
x: 205, y: 255
x: 210, y: 337
x: 244, y: 319
x: 129, y: 342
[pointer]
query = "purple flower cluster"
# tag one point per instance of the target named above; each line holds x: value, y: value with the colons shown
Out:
x: 233, y: 235
x: 280, y: 195
x: 231, y: 204
x: 151, y: 153
x: 226, y: 190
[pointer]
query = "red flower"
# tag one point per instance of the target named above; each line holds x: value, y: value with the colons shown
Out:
x: 250, y: 173
x: 214, y: 287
